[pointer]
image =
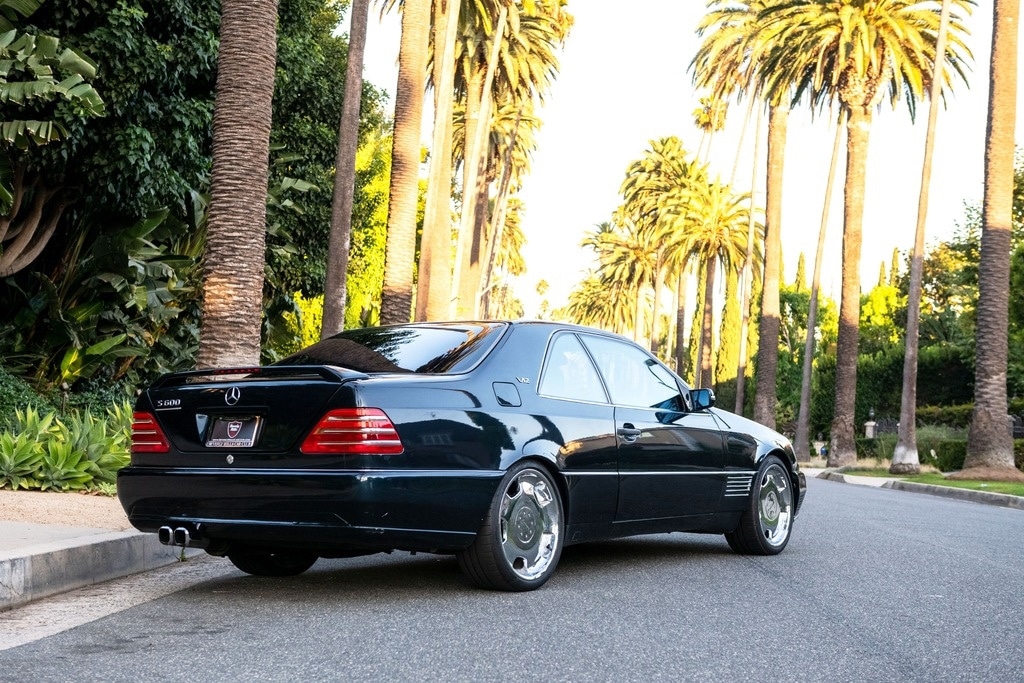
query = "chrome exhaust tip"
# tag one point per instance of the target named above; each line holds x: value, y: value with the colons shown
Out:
x: 182, y: 537
x: 165, y: 534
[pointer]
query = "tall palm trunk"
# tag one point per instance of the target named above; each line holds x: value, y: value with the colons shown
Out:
x: 843, y: 449
x: 335, y: 291
x: 498, y: 222
x: 656, y: 281
x: 468, y: 253
x: 988, y: 441
x: 433, y: 288
x: 802, y: 442
x: 768, y: 329
x: 236, y: 233
x: 704, y: 356
x: 747, y: 278
x: 905, y: 459
x: 681, y: 354
x: 400, y: 251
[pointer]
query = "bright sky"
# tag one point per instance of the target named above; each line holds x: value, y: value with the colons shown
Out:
x: 624, y: 81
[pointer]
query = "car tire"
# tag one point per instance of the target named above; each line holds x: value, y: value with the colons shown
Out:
x: 767, y: 522
x: 272, y: 563
x: 520, y: 541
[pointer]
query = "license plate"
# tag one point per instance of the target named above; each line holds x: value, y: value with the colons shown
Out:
x: 233, y: 432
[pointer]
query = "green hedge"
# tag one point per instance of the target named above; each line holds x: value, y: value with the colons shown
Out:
x: 949, y: 454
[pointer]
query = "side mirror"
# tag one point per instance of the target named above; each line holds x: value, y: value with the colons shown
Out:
x: 701, y: 399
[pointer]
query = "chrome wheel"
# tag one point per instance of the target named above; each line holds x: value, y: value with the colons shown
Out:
x: 531, y: 524
x: 775, y: 505
x: 520, y: 539
x: 765, y: 526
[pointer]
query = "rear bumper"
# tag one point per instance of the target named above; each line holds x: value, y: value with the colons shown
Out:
x: 327, y: 511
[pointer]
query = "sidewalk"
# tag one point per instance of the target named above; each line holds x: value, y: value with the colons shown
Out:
x: 39, y: 560
x: 985, y: 497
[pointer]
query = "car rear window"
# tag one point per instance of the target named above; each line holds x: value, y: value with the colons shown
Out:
x: 432, y: 349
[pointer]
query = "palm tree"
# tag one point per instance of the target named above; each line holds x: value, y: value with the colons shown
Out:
x: 234, y: 257
x: 433, y: 286
x: 630, y: 255
x: 770, y: 318
x: 988, y: 442
x: 711, y: 226
x: 515, y: 58
x: 854, y: 52
x: 727, y: 62
x: 904, y: 458
x: 709, y: 118
x: 396, y: 299
x: 601, y: 303
x: 802, y: 442
x: 652, y: 183
x: 335, y: 290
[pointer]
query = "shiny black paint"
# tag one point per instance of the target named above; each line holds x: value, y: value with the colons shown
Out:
x: 621, y: 470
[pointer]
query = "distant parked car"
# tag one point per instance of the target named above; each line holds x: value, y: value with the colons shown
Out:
x: 498, y: 442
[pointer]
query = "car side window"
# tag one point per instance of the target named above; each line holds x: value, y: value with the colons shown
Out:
x: 634, y: 378
x: 569, y: 372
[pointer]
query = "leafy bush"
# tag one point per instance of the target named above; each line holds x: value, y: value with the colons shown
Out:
x: 17, y: 393
x: 950, y: 455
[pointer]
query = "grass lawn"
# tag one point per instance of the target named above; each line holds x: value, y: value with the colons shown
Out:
x: 937, y: 479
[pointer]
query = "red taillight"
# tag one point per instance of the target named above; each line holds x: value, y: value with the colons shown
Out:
x: 356, y: 431
x: 147, y: 437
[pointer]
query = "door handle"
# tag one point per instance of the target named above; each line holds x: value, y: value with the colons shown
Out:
x: 628, y: 432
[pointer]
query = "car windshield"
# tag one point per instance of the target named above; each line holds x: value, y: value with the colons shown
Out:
x: 442, y: 349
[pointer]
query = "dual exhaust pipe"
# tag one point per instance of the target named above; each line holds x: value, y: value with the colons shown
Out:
x: 180, y: 536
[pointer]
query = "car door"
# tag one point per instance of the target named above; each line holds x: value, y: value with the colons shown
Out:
x: 670, y: 460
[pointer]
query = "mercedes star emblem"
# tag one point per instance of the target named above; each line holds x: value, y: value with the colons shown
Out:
x: 232, y: 395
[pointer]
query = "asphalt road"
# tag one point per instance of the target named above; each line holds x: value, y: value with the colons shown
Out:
x: 876, y: 585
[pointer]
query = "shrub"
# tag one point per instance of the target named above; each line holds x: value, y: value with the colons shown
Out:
x: 950, y: 454
x: 17, y: 393
x: 958, y: 416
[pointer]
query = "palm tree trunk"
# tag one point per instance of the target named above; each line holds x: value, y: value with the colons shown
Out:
x: 681, y: 321
x: 802, y: 442
x: 746, y: 281
x: 236, y: 232
x: 433, y: 288
x: 656, y: 278
x: 706, y: 324
x: 498, y: 223
x: 396, y: 299
x: 843, y: 448
x: 475, y: 158
x: 989, y: 441
x: 335, y: 291
x: 768, y: 335
x: 905, y: 459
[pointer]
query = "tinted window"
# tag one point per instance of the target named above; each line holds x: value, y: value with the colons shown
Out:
x: 633, y: 378
x: 402, y: 348
x: 568, y: 372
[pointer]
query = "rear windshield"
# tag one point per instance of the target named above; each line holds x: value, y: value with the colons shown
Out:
x: 445, y: 349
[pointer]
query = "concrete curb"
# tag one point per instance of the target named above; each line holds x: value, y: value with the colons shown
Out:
x: 46, y: 569
x: 986, y: 497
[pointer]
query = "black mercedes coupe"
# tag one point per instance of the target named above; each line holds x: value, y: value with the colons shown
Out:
x: 498, y: 442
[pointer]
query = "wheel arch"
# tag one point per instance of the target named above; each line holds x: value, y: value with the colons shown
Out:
x: 788, y: 459
x: 550, y: 465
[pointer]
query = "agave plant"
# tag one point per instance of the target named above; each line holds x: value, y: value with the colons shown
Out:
x: 63, y: 468
x: 19, y: 457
